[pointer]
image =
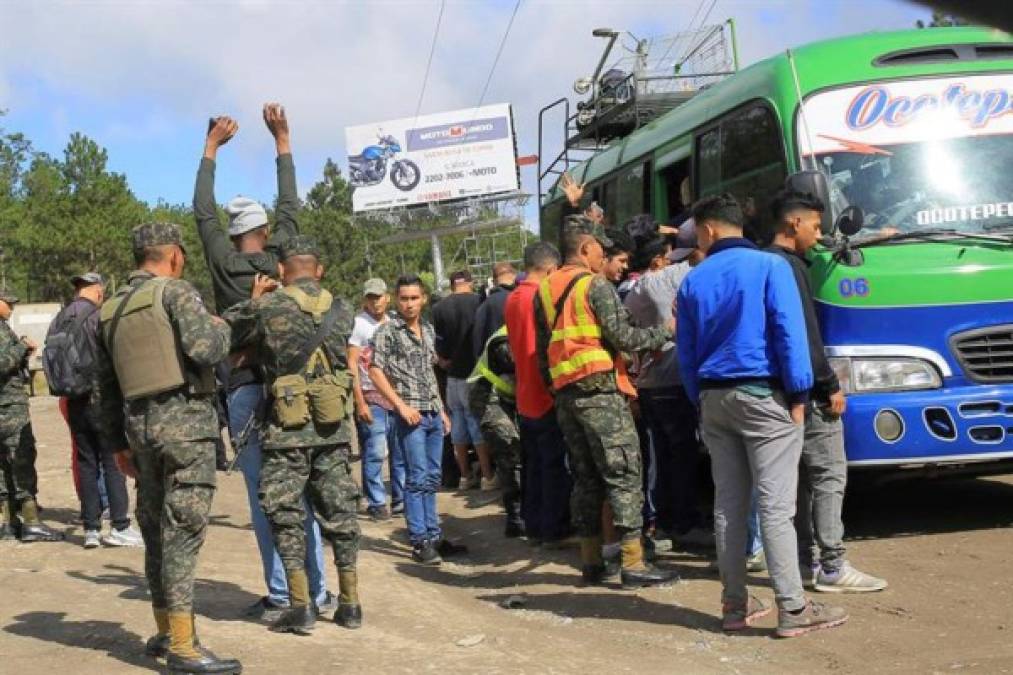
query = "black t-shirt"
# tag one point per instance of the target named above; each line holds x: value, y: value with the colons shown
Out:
x: 453, y: 319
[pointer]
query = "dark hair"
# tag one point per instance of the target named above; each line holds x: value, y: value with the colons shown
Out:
x: 408, y: 280
x: 723, y: 208
x: 646, y: 252
x: 540, y: 255
x: 621, y: 242
x: 787, y: 200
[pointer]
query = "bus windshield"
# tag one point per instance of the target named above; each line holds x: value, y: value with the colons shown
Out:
x: 918, y: 154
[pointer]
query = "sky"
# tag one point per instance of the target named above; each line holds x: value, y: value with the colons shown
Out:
x: 142, y: 77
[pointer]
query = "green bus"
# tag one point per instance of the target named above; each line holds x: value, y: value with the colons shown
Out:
x: 916, y: 129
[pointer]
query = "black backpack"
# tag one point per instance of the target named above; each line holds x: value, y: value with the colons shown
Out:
x: 69, y: 355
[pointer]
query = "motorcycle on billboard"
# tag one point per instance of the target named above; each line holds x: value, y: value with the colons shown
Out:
x: 370, y: 167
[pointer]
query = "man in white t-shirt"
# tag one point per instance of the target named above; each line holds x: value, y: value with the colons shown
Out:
x: 374, y: 415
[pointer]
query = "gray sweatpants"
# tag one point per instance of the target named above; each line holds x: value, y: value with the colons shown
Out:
x: 753, y: 441
x: 822, y: 478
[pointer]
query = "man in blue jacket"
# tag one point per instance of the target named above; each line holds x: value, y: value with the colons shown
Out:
x: 744, y: 358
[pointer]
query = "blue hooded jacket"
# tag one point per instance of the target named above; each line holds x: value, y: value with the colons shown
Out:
x: 740, y: 317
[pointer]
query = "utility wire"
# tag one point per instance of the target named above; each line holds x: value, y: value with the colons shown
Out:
x: 689, y: 28
x: 499, y: 51
x: 429, y: 62
x: 703, y: 22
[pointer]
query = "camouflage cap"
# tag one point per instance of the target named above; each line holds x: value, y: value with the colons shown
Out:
x: 7, y: 295
x: 585, y: 225
x: 157, y: 234
x: 300, y: 244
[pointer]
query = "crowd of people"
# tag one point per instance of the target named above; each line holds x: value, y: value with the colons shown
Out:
x: 590, y: 389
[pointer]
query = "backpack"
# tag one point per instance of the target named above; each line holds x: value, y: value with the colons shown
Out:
x: 69, y: 355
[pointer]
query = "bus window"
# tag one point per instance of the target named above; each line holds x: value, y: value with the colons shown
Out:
x: 609, y: 201
x: 708, y: 162
x: 630, y: 200
x: 551, y: 218
x: 678, y: 195
x: 749, y: 141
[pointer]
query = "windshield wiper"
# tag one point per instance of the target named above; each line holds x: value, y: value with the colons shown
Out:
x: 934, y: 234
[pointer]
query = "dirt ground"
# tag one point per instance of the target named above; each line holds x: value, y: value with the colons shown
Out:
x: 945, y: 546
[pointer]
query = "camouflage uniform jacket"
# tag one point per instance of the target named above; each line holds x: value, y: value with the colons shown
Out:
x: 279, y: 330
x: 13, y: 359
x: 173, y: 415
x: 617, y: 335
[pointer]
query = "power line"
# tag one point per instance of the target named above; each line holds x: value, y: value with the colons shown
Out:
x: 429, y: 62
x: 499, y: 51
x: 689, y: 28
x: 703, y: 22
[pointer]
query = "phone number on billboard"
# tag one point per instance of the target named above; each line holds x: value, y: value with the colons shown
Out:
x: 457, y: 175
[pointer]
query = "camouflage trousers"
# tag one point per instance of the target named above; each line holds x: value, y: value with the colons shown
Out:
x: 497, y: 419
x: 175, y: 486
x: 324, y: 475
x: 604, y: 459
x: 18, y: 480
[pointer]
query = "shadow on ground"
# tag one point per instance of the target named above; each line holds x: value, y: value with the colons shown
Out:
x: 215, y: 600
x: 104, y: 636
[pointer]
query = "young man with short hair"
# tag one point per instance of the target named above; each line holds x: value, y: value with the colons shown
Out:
x: 404, y: 357
x: 453, y: 323
x: 824, y: 470
x: 373, y: 412
x: 744, y: 357
x: 489, y: 315
x: 545, y: 499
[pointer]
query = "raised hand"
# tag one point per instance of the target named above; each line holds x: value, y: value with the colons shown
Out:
x: 220, y: 131
x: 262, y: 284
x: 573, y: 190
x: 277, y: 124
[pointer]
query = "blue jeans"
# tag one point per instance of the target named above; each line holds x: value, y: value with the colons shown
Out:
x: 545, y: 501
x: 423, y: 453
x: 754, y: 542
x: 379, y: 440
x: 243, y: 403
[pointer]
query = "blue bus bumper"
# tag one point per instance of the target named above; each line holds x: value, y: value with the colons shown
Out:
x: 956, y: 424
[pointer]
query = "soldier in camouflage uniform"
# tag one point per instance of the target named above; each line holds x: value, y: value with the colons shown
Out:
x: 18, y: 479
x: 581, y: 328
x: 300, y: 334
x: 492, y: 400
x: 156, y: 391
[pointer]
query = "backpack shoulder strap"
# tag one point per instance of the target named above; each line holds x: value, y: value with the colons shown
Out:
x: 326, y: 325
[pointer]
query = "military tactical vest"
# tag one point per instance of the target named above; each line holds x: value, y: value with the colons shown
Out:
x: 142, y: 342
x: 310, y: 389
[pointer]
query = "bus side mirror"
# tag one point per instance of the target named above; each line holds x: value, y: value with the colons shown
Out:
x: 850, y: 222
x: 813, y: 183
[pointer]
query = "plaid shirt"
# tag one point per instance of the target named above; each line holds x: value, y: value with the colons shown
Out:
x: 408, y: 362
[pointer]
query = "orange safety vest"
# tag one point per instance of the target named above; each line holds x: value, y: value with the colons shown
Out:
x: 575, y: 348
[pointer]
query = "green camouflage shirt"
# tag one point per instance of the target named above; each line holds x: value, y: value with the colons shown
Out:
x: 13, y: 360
x: 279, y: 330
x: 617, y: 334
x: 174, y: 415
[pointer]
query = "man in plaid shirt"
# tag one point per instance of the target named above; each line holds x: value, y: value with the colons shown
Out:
x: 402, y: 371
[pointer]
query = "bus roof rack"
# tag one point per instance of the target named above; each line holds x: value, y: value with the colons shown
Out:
x: 655, y: 76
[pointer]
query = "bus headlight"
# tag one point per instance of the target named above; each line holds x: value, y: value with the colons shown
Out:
x: 864, y: 375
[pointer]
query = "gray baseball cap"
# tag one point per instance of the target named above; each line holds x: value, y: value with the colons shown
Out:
x: 685, y: 242
x: 374, y: 287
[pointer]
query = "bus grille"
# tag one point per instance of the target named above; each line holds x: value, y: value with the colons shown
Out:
x: 986, y: 354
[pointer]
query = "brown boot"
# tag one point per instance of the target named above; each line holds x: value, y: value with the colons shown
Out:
x: 636, y: 572
x: 301, y: 615
x: 184, y: 655
x: 157, y: 646
x: 6, y: 531
x: 349, y: 613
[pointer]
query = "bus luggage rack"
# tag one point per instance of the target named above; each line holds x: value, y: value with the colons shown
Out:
x: 986, y: 354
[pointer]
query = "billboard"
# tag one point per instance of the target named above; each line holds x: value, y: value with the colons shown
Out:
x: 435, y: 158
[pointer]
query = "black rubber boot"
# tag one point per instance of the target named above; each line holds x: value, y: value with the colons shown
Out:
x: 349, y: 616
x: 207, y: 662
x: 299, y: 620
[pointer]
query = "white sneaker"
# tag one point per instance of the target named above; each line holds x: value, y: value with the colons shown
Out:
x: 128, y: 536
x: 848, y: 580
x: 91, y: 539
